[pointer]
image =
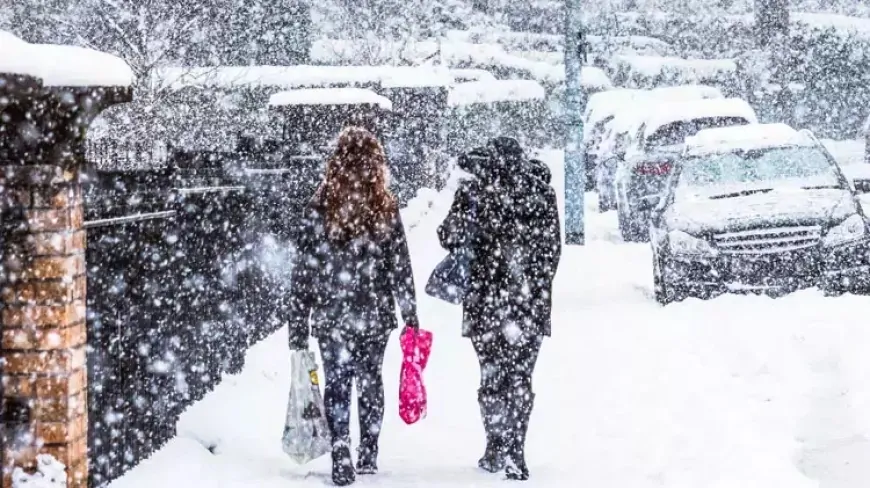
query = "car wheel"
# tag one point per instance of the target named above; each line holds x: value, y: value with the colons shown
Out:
x: 640, y: 230
x: 605, y: 203
x: 659, y: 289
x: 665, y: 291
x: 621, y: 222
x: 625, y: 228
x: 634, y: 231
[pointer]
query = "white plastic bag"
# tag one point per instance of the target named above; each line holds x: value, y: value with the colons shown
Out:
x: 306, y: 434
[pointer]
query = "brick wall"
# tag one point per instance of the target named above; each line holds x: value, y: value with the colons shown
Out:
x: 43, y: 319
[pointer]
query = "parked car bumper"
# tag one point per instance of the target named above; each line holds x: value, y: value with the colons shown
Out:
x: 845, y: 268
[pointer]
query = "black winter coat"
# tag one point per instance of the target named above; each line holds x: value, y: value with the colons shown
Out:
x: 509, y: 218
x: 350, y: 289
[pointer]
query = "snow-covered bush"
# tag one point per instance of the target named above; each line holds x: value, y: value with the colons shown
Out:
x: 821, y: 85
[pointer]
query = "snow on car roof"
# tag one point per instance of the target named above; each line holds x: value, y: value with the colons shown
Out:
x: 752, y: 136
x: 62, y: 66
x: 660, y: 114
x: 607, y: 103
x: 302, y: 76
x: 610, y: 103
x: 329, y: 96
x: 493, y: 91
x: 612, y: 98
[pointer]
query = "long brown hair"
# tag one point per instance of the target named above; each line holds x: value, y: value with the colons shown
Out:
x: 354, y: 196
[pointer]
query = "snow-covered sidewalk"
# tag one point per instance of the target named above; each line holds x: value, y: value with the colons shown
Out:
x: 738, y: 392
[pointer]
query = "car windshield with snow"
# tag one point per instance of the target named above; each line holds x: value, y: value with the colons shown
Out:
x: 772, y: 214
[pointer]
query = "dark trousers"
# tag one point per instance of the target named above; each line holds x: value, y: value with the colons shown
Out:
x: 343, y: 360
x: 506, y: 369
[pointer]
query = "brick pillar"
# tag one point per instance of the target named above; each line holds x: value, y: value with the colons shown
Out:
x: 44, y: 374
x: 44, y: 334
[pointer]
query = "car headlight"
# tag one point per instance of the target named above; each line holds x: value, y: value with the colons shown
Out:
x: 687, y: 245
x: 852, y: 229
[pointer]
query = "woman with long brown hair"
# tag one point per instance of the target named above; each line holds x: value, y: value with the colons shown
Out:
x: 352, y: 269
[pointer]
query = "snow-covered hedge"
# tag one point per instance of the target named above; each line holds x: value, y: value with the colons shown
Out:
x: 653, y: 71
x: 826, y: 86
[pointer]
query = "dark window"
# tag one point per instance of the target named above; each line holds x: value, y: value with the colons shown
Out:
x: 676, y: 133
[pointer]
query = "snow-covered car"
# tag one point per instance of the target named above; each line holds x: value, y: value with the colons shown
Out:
x: 615, y: 144
x: 642, y: 172
x: 602, y: 109
x: 616, y: 117
x: 759, y: 208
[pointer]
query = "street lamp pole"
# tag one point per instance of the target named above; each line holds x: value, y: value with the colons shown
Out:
x: 575, y: 103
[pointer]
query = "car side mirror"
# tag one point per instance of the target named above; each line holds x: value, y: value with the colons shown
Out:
x: 649, y: 203
x: 859, y: 175
x: 862, y: 185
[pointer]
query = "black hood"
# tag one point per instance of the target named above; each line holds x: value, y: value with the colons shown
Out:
x: 540, y: 170
x: 501, y: 159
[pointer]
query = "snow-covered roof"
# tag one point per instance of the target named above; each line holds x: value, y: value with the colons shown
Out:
x: 329, y: 96
x: 753, y: 136
x: 493, y: 91
x: 664, y: 113
x: 62, y: 66
x: 302, y: 76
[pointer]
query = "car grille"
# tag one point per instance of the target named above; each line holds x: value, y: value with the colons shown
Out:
x: 767, y: 241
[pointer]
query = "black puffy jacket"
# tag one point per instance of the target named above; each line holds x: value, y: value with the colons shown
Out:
x: 507, y: 216
x: 351, y: 288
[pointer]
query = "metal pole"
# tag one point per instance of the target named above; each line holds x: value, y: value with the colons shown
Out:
x: 575, y: 103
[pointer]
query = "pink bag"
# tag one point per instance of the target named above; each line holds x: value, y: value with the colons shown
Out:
x: 416, y: 346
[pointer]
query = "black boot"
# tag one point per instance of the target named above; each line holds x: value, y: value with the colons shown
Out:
x: 492, y: 410
x: 342, y: 464
x: 367, y: 459
x: 516, y: 452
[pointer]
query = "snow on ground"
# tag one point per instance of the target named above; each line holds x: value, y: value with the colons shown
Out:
x: 737, y: 392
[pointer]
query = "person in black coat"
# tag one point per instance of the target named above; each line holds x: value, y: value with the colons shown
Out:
x: 352, y: 269
x: 507, y: 217
x: 540, y: 169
